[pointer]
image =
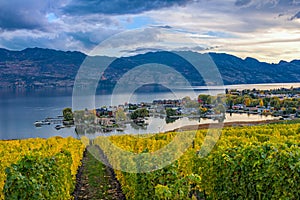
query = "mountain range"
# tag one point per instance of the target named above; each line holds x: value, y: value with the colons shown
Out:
x: 39, y: 68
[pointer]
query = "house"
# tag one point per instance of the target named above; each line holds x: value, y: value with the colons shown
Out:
x: 238, y: 107
x: 263, y: 109
x: 102, y: 112
x: 107, y: 121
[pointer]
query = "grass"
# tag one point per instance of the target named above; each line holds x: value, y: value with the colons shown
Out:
x: 97, y: 181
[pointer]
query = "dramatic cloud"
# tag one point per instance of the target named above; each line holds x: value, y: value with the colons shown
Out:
x: 265, y: 29
x: 119, y: 7
x: 251, y: 30
x: 22, y: 15
x: 29, y: 14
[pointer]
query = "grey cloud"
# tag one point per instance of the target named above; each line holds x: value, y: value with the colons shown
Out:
x: 93, y: 38
x: 90, y: 21
x: 190, y: 48
x: 161, y: 48
x: 19, y: 21
x: 242, y: 2
x: 164, y: 27
x: 85, y: 39
x: 197, y: 48
x: 143, y: 50
x: 212, y: 48
x: 20, y: 42
x: 296, y: 16
x: 119, y: 7
x: 62, y: 42
x: 267, y: 4
x: 83, y: 24
x: 18, y: 16
x: 137, y: 37
x: 268, y: 42
x: 29, y: 14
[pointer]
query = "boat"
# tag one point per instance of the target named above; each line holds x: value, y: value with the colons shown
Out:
x: 139, y: 121
x: 105, y: 130
x: 46, y: 123
x: 40, y: 123
x: 58, y: 127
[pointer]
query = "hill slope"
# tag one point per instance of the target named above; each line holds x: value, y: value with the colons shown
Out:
x: 35, y: 67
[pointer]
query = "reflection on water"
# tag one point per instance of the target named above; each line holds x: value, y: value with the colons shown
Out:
x: 156, y: 124
x: 20, y: 108
x: 234, y: 117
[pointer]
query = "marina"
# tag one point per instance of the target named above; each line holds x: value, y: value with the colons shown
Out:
x: 38, y: 106
x: 49, y: 121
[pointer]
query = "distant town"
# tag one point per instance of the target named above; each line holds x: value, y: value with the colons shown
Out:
x: 281, y: 103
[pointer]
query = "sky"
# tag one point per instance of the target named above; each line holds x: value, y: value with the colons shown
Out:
x: 268, y: 30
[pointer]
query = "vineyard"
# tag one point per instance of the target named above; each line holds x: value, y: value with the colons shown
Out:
x: 39, y: 168
x: 254, y: 162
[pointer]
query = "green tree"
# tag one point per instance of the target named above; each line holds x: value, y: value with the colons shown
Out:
x: 238, y: 100
x: 229, y: 100
x: 202, y: 110
x: 142, y: 112
x: 220, y: 109
x: 120, y: 114
x: 170, y: 112
x: 204, y: 99
x: 68, y: 114
x: 275, y: 102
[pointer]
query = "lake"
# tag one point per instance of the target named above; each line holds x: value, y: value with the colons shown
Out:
x: 19, y: 109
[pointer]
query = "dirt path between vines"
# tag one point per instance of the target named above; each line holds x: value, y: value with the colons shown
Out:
x: 96, y: 180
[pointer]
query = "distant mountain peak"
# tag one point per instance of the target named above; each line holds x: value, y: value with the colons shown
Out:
x: 282, y: 62
x: 251, y: 59
x: 40, y: 67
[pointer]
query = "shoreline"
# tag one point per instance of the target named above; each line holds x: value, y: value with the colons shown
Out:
x: 195, y: 127
x: 225, y: 124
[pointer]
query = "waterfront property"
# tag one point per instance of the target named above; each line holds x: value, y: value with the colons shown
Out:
x: 205, y: 107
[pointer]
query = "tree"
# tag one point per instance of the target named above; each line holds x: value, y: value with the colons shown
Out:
x: 202, y: 110
x: 186, y: 98
x: 68, y: 114
x: 247, y: 101
x: 170, y: 112
x: 142, y: 112
x: 220, y: 109
x: 220, y: 99
x: 170, y: 115
x: 204, y: 99
x: 229, y: 100
x: 275, y: 102
x: 238, y: 100
x: 120, y: 115
x: 261, y: 103
x: 266, y: 100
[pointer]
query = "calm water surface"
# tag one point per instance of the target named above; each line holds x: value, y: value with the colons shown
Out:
x: 20, y: 109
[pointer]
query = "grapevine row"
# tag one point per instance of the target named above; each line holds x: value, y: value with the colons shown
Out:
x: 254, y: 162
x: 33, y: 163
